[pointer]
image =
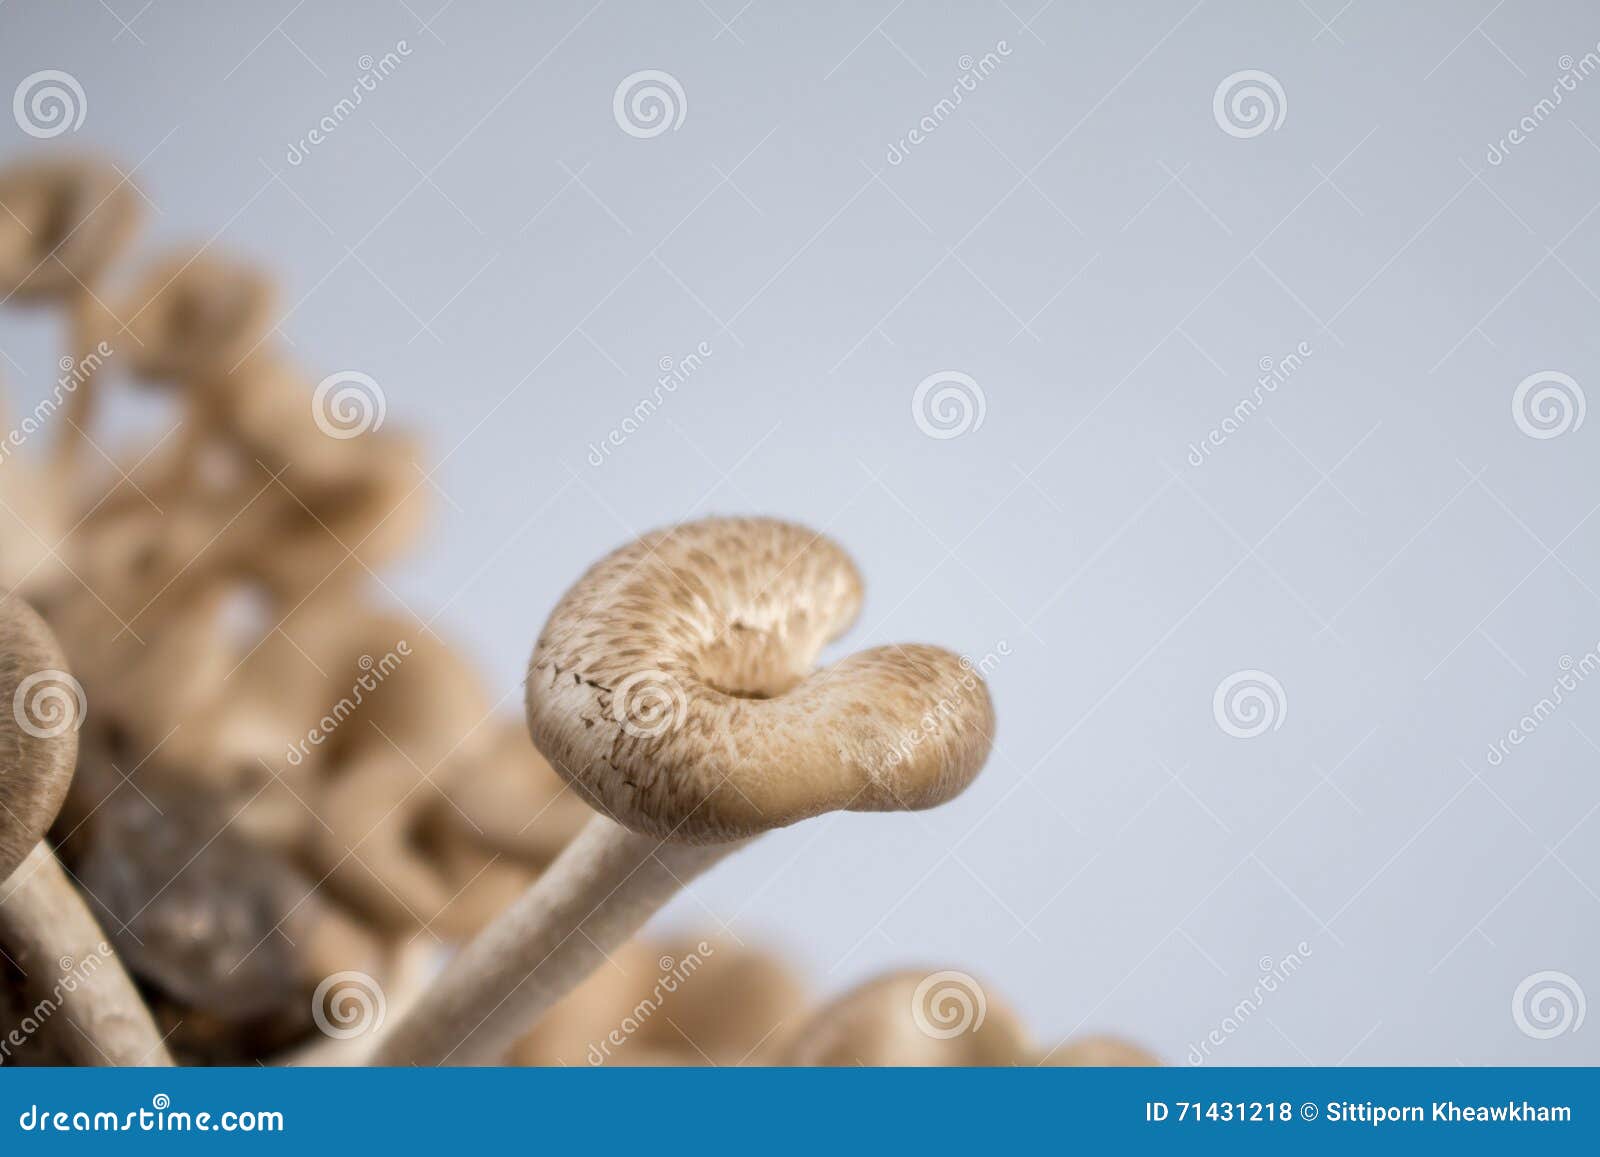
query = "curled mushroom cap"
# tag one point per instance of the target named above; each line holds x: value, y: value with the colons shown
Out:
x: 673, y: 686
x: 64, y: 221
x: 39, y: 712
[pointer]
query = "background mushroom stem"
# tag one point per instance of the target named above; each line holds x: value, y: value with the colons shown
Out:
x: 81, y: 404
x: 589, y: 902
x: 45, y: 920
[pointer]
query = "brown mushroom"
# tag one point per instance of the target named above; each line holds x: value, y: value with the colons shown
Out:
x: 912, y: 1018
x: 40, y: 910
x: 673, y: 687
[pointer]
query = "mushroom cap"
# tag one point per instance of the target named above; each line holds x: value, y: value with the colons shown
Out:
x: 66, y: 219
x: 1100, y: 1052
x: 912, y: 1018
x: 673, y: 688
x: 41, y: 708
x: 195, y: 317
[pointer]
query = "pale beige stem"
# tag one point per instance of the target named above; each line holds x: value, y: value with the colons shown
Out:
x: 43, y: 916
x: 591, y: 900
x: 82, y: 403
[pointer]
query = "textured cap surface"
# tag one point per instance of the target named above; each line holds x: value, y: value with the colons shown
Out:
x: 673, y: 687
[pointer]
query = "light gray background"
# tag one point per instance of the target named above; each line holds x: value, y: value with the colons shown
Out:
x: 1084, y: 240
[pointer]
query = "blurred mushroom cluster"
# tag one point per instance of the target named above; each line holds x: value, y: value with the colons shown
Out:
x: 292, y: 801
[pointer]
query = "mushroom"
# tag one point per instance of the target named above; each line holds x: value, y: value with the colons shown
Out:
x: 673, y: 688
x: 63, y: 222
x: 1099, y: 1052
x: 41, y: 913
x: 912, y: 1018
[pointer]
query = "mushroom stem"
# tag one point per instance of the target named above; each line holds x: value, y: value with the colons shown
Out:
x: 45, y: 918
x: 82, y: 404
x: 590, y: 901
